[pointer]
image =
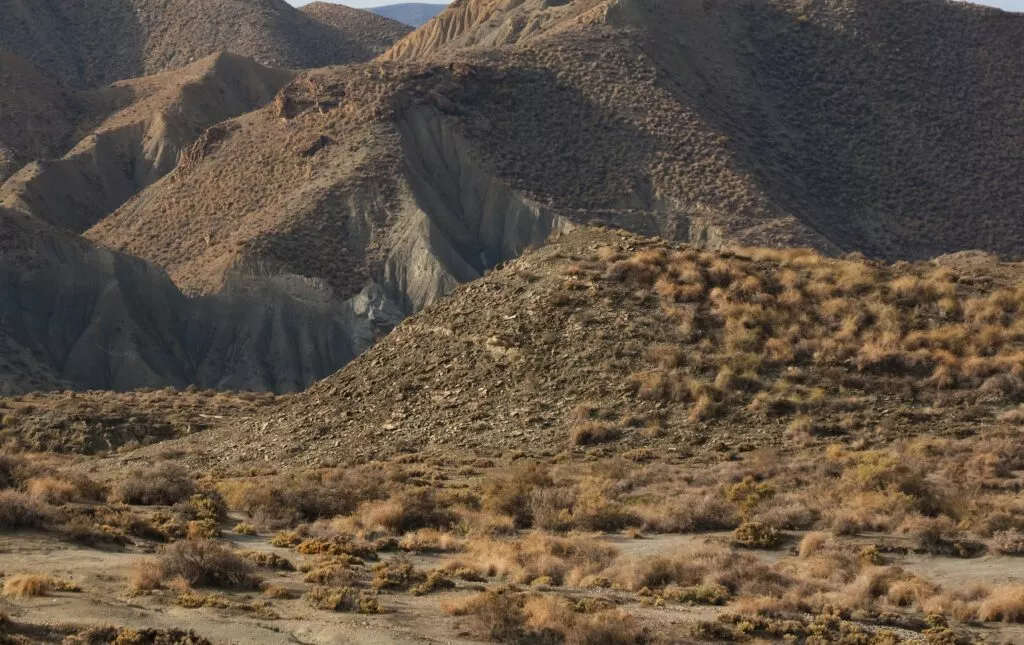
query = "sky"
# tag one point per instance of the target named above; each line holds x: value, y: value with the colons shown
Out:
x: 1009, y: 5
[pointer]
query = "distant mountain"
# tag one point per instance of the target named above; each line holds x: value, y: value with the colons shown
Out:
x: 413, y: 14
x: 373, y: 32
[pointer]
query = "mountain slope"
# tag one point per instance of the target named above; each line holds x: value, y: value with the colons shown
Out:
x: 774, y: 123
x: 149, y: 122
x: 374, y: 32
x: 414, y: 14
x: 37, y: 116
x: 604, y: 340
x: 90, y: 43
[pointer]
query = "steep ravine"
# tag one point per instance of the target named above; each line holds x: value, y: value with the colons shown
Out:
x: 98, y: 319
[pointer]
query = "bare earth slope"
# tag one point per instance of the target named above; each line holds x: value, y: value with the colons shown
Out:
x: 90, y: 43
x: 374, y: 32
x: 143, y: 126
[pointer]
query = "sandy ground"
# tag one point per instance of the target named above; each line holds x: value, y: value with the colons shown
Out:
x: 409, y: 619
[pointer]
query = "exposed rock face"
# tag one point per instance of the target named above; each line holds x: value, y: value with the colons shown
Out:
x: 84, y: 317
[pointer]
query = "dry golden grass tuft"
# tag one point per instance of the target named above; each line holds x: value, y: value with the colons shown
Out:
x: 1004, y: 604
x: 24, y: 585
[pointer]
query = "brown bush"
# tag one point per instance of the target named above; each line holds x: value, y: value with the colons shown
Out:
x: 756, y: 535
x: 344, y: 599
x: 21, y: 511
x: 406, y: 511
x: 1008, y: 542
x: 163, y: 484
x: 205, y: 563
x: 25, y: 585
x: 1004, y: 604
x: 509, y: 493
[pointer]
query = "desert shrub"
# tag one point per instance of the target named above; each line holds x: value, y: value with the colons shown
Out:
x: 163, y: 484
x: 25, y: 585
x: 131, y: 636
x: 406, y: 511
x: 304, y: 497
x: 589, y: 433
x: 331, y: 575
x: 268, y: 560
x: 1004, y: 604
x: 510, y: 617
x: 338, y: 545
x: 436, y: 580
x: 21, y: 511
x: 429, y: 540
x: 558, y: 559
x: 1008, y: 542
x: 756, y: 535
x: 204, y: 563
x: 397, y: 573
x: 497, y: 615
x: 509, y: 493
x: 345, y: 599
x: 277, y: 592
x: 244, y: 528
x: 938, y: 536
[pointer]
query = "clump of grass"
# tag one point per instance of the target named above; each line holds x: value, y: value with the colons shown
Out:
x: 268, y: 560
x: 1010, y: 542
x: 21, y: 511
x: 1004, y: 604
x: 343, y: 599
x: 510, y: 617
x: 756, y: 535
x: 26, y: 585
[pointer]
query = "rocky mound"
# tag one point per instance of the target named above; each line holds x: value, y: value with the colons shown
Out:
x: 375, y: 33
x: 608, y: 339
x: 143, y: 126
x: 90, y: 43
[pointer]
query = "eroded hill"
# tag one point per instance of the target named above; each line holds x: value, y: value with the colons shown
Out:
x: 380, y: 187
x: 133, y: 132
x: 90, y: 43
x: 606, y: 342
